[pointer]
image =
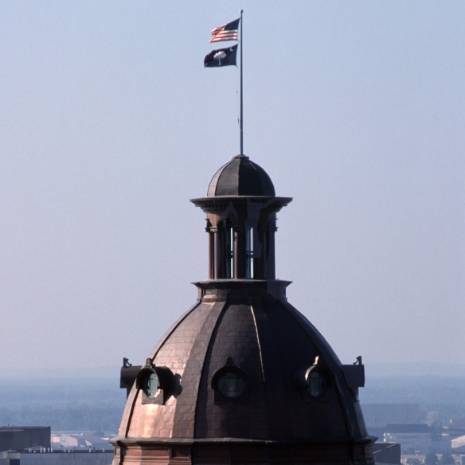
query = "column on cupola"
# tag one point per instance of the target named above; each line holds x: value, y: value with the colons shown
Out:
x: 241, y: 241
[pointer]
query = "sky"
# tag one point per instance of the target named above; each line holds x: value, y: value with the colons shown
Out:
x: 109, y: 124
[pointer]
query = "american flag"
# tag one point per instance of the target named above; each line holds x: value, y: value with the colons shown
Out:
x: 227, y: 32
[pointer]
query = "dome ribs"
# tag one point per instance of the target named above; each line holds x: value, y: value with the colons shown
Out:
x: 132, y: 398
x: 350, y: 407
x: 186, y: 412
x: 262, y: 367
x: 234, y: 344
x: 286, y: 350
x: 150, y: 420
x: 241, y: 177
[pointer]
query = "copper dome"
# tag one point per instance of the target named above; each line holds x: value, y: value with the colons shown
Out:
x: 243, y: 377
x: 272, y: 344
x: 241, y: 176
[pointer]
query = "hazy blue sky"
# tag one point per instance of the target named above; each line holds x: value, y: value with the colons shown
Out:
x: 109, y: 124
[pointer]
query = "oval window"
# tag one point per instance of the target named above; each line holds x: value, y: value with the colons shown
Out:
x: 316, y: 383
x: 231, y: 384
x: 151, y: 385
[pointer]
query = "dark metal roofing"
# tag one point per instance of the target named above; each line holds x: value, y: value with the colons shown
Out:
x: 269, y: 341
x: 240, y: 176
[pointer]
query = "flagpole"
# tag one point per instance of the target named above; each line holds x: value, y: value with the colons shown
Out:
x: 241, y: 114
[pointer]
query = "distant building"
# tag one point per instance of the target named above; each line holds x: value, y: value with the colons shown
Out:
x: 20, y: 438
x: 384, y: 452
x: 379, y: 415
x: 413, y: 437
x: 83, y: 440
x: 56, y: 458
x: 68, y: 458
x: 458, y: 445
x: 418, y: 438
x: 9, y: 458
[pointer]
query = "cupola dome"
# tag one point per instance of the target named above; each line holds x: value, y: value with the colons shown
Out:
x: 242, y: 177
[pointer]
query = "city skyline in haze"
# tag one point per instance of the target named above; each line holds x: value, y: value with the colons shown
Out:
x: 110, y: 124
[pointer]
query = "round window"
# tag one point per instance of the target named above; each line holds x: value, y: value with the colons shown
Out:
x: 231, y: 384
x: 151, y: 385
x: 316, y: 383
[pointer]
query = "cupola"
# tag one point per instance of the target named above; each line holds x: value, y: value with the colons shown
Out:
x: 242, y: 377
x: 241, y: 211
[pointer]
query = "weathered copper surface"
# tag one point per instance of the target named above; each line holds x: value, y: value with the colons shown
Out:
x: 245, y: 321
x: 241, y: 176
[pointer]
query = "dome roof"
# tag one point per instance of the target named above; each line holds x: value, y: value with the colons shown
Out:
x: 240, y: 176
x: 270, y: 343
x: 243, y: 377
